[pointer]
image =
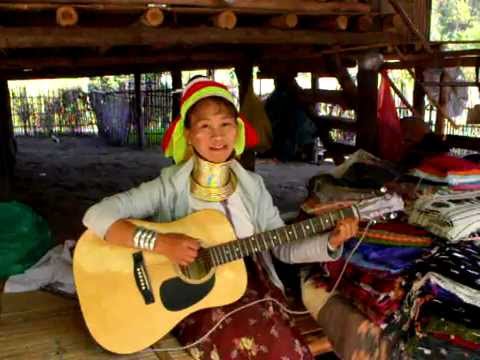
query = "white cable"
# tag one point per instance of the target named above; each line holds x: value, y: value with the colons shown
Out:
x: 201, y: 339
x: 349, y: 257
x: 267, y: 299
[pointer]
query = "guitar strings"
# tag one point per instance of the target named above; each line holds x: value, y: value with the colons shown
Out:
x: 266, y: 299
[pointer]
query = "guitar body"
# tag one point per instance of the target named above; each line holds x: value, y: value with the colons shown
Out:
x: 124, y: 319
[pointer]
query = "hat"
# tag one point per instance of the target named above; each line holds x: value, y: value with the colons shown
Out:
x: 174, y: 142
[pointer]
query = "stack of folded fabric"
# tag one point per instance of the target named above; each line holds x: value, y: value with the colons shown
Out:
x: 442, y: 310
x: 449, y: 170
x: 375, y: 279
x: 453, y: 216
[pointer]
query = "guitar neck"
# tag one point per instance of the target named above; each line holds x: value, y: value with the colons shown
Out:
x: 238, y: 249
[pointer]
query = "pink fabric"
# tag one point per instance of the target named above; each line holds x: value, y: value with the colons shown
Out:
x: 390, y: 134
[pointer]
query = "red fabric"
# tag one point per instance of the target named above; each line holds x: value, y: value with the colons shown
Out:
x: 251, y: 135
x: 169, y: 133
x: 197, y: 86
x: 400, y: 228
x: 390, y: 134
x: 442, y: 165
x: 457, y: 340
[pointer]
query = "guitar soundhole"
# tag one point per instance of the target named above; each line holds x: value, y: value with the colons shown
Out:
x: 197, y: 270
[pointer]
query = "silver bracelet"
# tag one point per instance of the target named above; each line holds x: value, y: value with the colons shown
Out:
x: 144, y: 238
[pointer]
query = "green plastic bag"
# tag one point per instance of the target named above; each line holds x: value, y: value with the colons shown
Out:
x: 24, y: 238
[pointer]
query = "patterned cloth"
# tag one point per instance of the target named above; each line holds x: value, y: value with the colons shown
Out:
x: 459, y: 262
x: 396, y: 234
x: 453, y: 216
x: 376, y: 294
x: 258, y: 332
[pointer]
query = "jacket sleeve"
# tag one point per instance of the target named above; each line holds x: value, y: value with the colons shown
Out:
x: 313, y: 249
x: 138, y: 203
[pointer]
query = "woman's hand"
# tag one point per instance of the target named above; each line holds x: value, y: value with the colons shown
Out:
x: 180, y: 249
x: 344, y: 230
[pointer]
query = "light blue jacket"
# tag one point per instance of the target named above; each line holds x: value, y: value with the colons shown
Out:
x: 166, y: 198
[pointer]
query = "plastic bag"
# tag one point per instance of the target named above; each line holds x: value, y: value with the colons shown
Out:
x: 24, y: 238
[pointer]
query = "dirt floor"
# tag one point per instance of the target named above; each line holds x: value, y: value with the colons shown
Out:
x: 61, y: 180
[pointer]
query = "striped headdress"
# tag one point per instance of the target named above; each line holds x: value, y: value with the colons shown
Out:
x: 174, y: 142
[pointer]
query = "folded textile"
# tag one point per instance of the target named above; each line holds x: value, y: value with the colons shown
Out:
x: 395, y: 233
x: 377, y: 294
x: 453, y: 216
x: 459, y: 262
x: 431, y: 348
x: 393, y: 259
x: 448, y: 169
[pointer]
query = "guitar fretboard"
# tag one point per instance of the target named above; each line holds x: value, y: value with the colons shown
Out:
x: 240, y: 248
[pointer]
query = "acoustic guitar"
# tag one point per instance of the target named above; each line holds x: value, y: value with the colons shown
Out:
x: 130, y: 298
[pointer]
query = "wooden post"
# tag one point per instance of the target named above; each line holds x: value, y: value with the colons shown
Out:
x: 138, y: 110
x: 419, y: 93
x: 367, y: 131
x: 245, y: 77
x: 66, y: 16
x: 7, y: 143
x: 442, y: 102
x: 177, y: 92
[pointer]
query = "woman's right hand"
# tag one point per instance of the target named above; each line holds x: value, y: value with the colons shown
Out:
x: 180, y: 249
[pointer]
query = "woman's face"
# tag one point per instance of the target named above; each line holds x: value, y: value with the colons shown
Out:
x: 213, y: 130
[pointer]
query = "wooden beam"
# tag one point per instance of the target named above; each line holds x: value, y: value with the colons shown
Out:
x: 363, y: 23
x: 153, y: 17
x: 277, y: 5
x: 224, y: 20
x: 39, y: 37
x: 288, y: 21
x: 433, y: 63
x: 329, y: 23
x: 66, y: 16
x: 409, y: 23
x: 336, y: 97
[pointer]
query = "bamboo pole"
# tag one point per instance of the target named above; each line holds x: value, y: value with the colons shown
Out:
x: 66, y: 16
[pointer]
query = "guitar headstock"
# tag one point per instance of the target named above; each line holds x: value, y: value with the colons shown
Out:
x: 380, y: 207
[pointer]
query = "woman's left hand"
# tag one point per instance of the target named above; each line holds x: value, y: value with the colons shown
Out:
x: 344, y: 230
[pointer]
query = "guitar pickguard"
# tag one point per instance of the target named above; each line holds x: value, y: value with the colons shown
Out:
x: 177, y: 294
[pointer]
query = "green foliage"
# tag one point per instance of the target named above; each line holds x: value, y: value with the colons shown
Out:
x: 455, y: 20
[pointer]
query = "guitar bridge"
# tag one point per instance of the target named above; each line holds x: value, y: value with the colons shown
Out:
x: 141, y: 278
